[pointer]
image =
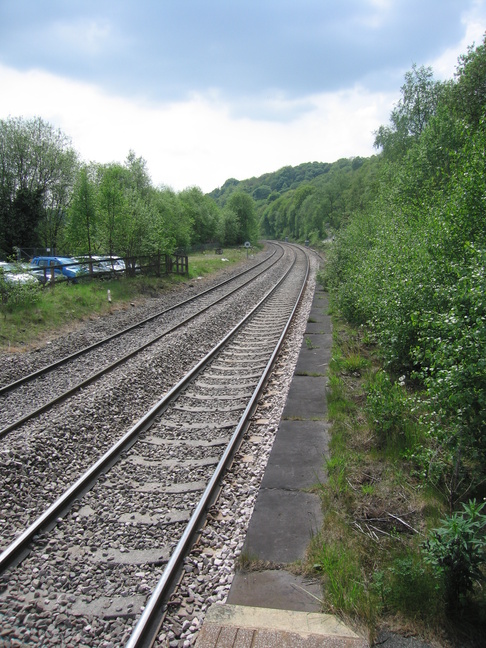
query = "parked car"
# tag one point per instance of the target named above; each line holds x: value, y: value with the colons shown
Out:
x: 103, y: 265
x: 113, y: 263
x: 12, y: 273
x: 96, y: 266
x: 43, y: 274
x: 66, y: 266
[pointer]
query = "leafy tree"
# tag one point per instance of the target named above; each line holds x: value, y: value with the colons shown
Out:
x: 243, y: 207
x: 113, y: 206
x: 82, y: 229
x: 228, y: 227
x: 201, y: 212
x: 138, y: 177
x: 420, y: 96
x: 37, y: 171
x: 133, y: 224
x: 469, y: 93
x: 262, y: 192
x: 172, y: 227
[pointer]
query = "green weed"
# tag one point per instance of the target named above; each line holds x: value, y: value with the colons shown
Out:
x: 456, y: 552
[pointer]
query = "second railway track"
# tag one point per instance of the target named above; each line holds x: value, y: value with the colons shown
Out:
x: 109, y: 551
x: 47, y: 454
x: 34, y: 392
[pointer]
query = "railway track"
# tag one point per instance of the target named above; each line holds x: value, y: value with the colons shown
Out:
x: 87, y: 364
x: 119, y: 536
x: 43, y: 457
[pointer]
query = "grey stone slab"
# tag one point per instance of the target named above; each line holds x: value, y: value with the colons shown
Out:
x: 298, y: 455
x: 317, y: 328
x: 320, y: 299
x: 306, y: 398
x: 319, y: 309
x: 276, y: 589
x: 314, y: 355
x: 317, y: 314
x: 282, y: 525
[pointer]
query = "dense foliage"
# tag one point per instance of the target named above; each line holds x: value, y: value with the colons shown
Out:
x: 411, y: 266
x: 49, y: 199
x: 37, y: 172
x: 309, y: 201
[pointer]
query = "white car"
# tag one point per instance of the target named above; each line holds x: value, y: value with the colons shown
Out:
x: 13, y: 274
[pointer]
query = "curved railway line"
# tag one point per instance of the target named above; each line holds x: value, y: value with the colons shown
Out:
x: 138, y: 336
x: 112, y: 543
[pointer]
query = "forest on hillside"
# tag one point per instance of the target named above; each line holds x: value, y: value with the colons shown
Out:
x: 309, y: 201
x: 50, y: 199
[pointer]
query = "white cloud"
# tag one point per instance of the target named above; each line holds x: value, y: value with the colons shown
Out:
x: 475, y: 25
x: 378, y: 14
x: 197, y: 142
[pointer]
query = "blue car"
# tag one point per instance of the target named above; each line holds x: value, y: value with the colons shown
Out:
x: 63, y: 266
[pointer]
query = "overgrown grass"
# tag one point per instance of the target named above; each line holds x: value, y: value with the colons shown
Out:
x: 209, y: 262
x: 379, y: 509
x: 65, y: 304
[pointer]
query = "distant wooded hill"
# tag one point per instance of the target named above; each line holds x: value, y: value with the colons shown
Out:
x: 307, y: 201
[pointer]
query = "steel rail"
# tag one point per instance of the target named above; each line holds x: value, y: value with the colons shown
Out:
x: 107, y: 368
x: 43, y: 370
x: 17, y: 549
x: 148, y: 626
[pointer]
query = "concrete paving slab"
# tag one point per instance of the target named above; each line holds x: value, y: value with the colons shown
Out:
x: 278, y: 589
x: 298, y: 455
x: 317, y: 314
x: 317, y: 328
x: 269, y: 628
x: 282, y: 525
x: 306, y: 398
x: 314, y: 355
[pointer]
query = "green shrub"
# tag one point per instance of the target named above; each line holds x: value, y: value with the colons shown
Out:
x: 457, y: 553
x: 17, y: 294
x: 408, y: 586
x: 386, y: 408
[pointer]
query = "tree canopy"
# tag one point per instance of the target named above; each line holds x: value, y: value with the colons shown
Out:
x: 38, y: 168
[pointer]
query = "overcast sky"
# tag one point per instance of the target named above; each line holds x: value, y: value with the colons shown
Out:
x: 206, y: 90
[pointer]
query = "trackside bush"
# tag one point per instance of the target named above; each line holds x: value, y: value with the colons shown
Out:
x: 14, y: 294
x: 386, y: 407
x: 457, y: 553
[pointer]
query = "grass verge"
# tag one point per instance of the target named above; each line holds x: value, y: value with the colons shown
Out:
x: 379, y: 510
x: 48, y: 311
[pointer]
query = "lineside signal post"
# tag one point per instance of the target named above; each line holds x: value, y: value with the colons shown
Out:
x: 248, y: 246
